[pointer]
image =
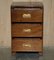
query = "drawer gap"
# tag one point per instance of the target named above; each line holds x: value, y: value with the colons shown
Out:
x: 27, y: 22
x: 28, y: 37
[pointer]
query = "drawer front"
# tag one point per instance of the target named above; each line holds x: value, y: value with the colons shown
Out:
x: 26, y: 15
x: 27, y: 30
x: 26, y: 44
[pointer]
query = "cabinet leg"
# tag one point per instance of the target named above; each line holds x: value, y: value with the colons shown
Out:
x: 40, y: 53
x: 13, y: 53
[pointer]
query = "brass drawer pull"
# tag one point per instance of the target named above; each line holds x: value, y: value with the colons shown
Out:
x: 27, y: 30
x: 26, y: 15
x: 27, y: 45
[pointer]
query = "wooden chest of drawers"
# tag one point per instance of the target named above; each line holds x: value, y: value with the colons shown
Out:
x: 27, y: 27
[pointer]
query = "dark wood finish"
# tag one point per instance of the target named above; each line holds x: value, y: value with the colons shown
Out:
x: 27, y: 27
x: 27, y: 30
x: 27, y: 45
x: 17, y: 15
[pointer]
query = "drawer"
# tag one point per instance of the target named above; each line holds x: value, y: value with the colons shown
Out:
x: 26, y: 15
x: 26, y: 30
x: 25, y: 44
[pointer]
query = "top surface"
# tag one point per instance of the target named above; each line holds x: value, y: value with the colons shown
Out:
x: 27, y: 4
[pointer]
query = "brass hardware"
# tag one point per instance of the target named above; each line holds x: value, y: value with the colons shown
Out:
x: 26, y: 15
x: 27, y: 45
x: 27, y: 30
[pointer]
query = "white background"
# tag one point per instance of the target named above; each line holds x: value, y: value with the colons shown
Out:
x: 5, y: 22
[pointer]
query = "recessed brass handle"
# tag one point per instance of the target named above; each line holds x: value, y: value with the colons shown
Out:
x: 26, y: 45
x: 27, y: 30
x: 26, y: 15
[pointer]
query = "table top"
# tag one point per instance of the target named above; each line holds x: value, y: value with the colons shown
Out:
x: 27, y: 4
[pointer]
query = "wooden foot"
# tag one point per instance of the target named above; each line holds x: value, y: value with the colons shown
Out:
x: 13, y: 53
x: 40, y: 53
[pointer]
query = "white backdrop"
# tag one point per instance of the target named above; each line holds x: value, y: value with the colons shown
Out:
x: 5, y: 22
